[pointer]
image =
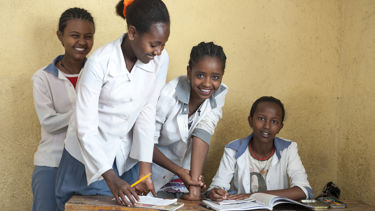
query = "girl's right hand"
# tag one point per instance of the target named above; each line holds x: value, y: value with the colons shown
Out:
x: 120, y: 189
x: 218, y: 194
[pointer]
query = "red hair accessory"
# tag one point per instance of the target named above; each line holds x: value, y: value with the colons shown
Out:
x: 126, y: 4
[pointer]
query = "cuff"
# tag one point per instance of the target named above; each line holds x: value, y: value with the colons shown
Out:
x: 202, y: 134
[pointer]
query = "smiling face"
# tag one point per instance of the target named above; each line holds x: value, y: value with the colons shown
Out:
x: 149, y: 44
x: 266, y: 121
x: 205, y: 77
x: 77, y: 38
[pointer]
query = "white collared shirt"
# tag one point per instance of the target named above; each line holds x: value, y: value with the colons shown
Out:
x: 54, y: 99
x: 286, y: 167
x: 173, y: 136
x: 115, y: 111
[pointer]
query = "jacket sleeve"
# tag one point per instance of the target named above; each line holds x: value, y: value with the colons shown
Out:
x: 52, y: 121
x: 206, y: 127
x: 144, y: 128
x: 225, y: 172
x: 296, y: 171
x: 92, y: 149
x: 163, y: 108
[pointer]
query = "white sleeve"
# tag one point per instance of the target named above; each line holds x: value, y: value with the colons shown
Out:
x: 87, y: 114
x: 206, y: 127
x: 225, y: 172
x: 296, y: 171
x: 49, y: 119
x: 144, y: 128
x: 163, y: 108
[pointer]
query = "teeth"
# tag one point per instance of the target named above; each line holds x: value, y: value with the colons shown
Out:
x: 79, y: 49
x: 205, y: 91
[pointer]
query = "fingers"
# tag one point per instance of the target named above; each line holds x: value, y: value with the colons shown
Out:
x: 134, y: 194
x: 238, y: 196
x: 153, y: 192
x: 218, y: 194
x: 124, y: 200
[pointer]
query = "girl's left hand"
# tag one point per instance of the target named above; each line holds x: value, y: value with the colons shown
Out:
x: 239, y: 196
x: 193, y: 195
x: 188, y: 181
x: 144, y: 187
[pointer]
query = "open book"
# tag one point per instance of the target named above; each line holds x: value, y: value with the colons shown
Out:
x: 255, y: 201
x: 151, y: 202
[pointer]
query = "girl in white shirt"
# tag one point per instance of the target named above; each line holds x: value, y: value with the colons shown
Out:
x: 188, y: 111
x: 54, y: 98
x: 114, y: 122
x: 261, y: 162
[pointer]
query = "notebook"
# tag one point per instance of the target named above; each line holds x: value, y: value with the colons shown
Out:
x: 255, y: 201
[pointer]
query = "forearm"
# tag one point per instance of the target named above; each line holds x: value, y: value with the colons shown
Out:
x: 294, y: 193
x: 160, y: 159
x: 198, y: 157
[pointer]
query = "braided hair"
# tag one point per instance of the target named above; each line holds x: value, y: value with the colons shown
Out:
x: 74, y: 13
x: 206, y: 49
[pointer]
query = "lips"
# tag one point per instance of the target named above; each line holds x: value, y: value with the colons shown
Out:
x: 265, y: 134
x: 80, y: 49
x: 151, y: 57
x: 205, y: 91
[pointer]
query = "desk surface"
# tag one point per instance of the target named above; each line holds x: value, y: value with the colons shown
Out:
x: 101, y: 203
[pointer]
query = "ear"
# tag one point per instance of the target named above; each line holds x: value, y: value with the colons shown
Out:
x: 249, y: 119
x: 60, y: 36
x: 188, y: 72
x: 132, y: 32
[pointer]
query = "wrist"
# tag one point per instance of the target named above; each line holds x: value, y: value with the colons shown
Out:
x: 144, y: 168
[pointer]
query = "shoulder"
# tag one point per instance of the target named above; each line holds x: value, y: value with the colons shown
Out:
x: 170, y: 88
x: 284, y: 146
x: 239, y: 145
x: 283, y: 143
x: 104, y: 52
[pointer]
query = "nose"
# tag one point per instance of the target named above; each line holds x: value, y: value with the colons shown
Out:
x: 157, y: 51
x: 267, y: 124
x: 207, y: 81
x: 82, y: 41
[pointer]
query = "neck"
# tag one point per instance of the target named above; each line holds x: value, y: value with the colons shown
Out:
x: 261, y: 149
x: 194, y: 103
x: 128, y: 53
x: 70, y: 65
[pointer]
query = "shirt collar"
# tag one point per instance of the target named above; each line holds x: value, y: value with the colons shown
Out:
x: 241, y: 145
x: 183, y: 91
x: 52, y: 67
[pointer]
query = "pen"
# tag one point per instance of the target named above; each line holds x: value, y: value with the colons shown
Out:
x: 140, y: 180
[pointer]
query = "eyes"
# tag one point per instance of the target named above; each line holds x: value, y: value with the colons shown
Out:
x: 273, y: 121
x: 85, y: 36
x: 214, y: 77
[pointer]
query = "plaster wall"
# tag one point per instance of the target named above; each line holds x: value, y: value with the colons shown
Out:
x: 293, y: 50
x: 356, y: 173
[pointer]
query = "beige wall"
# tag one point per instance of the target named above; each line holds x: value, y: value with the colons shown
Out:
x: 316, y: 56
x: 357, y: 102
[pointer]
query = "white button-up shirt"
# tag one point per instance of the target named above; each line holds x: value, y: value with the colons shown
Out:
x: 173, y: 137
x: 115, y: 111
x: 286, y: 167
x: 54, y: 99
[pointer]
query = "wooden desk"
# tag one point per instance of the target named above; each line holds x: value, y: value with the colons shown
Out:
x: 102, y: 203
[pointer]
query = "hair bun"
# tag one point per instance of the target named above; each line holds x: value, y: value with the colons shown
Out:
x: 126, y: 4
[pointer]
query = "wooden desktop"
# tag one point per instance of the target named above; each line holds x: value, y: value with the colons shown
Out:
x: 102, y: 203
